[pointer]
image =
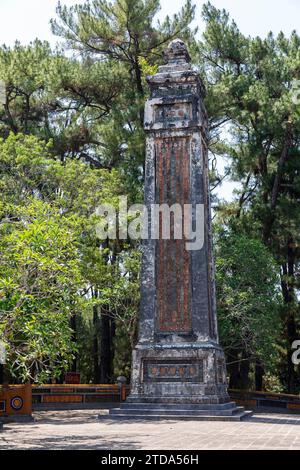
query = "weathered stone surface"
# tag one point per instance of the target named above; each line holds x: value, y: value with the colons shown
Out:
x: 178, y: 359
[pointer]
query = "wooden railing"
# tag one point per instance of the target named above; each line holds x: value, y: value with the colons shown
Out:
x: 266, y: 400
x: 78, y: 394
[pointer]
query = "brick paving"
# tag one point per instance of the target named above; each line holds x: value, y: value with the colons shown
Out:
x: 81, y: 429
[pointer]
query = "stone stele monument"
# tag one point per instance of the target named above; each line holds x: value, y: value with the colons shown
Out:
x: 178, y: 368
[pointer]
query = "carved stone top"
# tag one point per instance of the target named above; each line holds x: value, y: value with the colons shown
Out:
x: 177, y: 53
x: 176, y: 76
x: 177, y: 58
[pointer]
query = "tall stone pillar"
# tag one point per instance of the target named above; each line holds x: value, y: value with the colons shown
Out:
x: 178, y: 365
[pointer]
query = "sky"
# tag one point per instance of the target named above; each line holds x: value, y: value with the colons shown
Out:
x: 25, y: 20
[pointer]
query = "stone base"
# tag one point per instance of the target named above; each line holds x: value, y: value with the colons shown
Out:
x: 179, y: 381
x: 179, y: 373
x: 146, y: 411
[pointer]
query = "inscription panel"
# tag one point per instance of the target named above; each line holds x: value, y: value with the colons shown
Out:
x: 172, y: 259
x: 173, y: 112
x: 188, y: 370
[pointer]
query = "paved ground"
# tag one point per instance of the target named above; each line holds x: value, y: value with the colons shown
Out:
x: 83, y: 430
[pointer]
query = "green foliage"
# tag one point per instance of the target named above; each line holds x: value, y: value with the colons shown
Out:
x: 39, y: 284
x: 123, y: 29
x: 248, y: 297
x: 47, y: 224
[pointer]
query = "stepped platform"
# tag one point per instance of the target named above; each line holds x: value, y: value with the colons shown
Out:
x: 174, y: 411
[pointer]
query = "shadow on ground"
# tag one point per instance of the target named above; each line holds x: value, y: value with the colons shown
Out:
x: 73, y: 443
x: 73, y: 417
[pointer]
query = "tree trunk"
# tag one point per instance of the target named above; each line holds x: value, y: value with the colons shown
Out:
x: 107, y: 326
x: 291, y: 304
x: 271, y: 217
x: 259, y: 375
x: 244, y: 373
x: 96, y: 364
x: 105, y: 350
x: 1, y: 374
x: 112, y: 336
x: 233, y: 369
x: 292, y: 376
x: 238, y: 368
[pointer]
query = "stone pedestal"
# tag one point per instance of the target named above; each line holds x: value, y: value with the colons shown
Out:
x: 178, y: 366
